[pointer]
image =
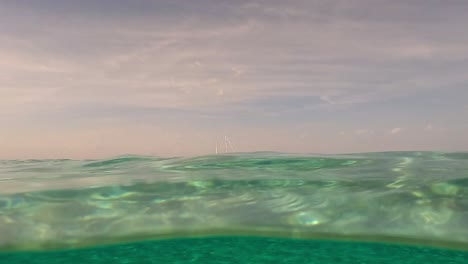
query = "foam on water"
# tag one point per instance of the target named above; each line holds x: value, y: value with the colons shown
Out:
x: 406, y: 197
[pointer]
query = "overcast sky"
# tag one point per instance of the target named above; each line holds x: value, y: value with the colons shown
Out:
x: 89, y: 79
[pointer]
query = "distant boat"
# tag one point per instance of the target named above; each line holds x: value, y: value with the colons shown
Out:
x: 228, y: 147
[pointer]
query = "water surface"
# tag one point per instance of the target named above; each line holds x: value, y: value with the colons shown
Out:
x: 412, y: 198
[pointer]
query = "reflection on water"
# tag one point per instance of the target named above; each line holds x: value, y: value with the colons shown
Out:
x: 414, y: 197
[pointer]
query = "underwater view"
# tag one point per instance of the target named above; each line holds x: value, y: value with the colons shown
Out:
x: 264, y: 207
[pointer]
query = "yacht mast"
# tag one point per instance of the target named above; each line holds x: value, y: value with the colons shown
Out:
x: 225, y: 144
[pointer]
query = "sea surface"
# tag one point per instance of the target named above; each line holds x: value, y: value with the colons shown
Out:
x: 263, y: 207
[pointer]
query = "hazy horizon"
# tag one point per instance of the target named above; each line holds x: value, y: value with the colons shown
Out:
x: 96, y: 79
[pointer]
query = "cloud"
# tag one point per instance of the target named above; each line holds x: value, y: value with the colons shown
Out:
x: 361, y: 131
x: 396, y: 130
x: 344, y: 58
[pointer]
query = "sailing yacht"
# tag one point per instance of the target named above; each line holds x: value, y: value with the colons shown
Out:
x: 228, y: 147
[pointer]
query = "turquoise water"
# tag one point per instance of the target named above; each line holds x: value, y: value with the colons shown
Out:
x: 242, y: 250
x: 394, y: 207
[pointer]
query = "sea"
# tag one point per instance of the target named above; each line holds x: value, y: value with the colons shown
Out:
x: 262, y: 207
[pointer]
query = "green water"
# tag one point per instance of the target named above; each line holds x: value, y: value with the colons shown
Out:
x: 221, y: 250
x: 305, y: 208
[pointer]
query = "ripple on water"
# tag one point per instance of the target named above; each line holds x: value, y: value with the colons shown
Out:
x: 112, y: 193
x: 427, y: 214
x: 282, y: 202
x: 445, y: 188
x: 11, y: 202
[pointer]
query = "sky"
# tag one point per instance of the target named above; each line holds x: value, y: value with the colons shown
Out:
x: 96, y: 79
